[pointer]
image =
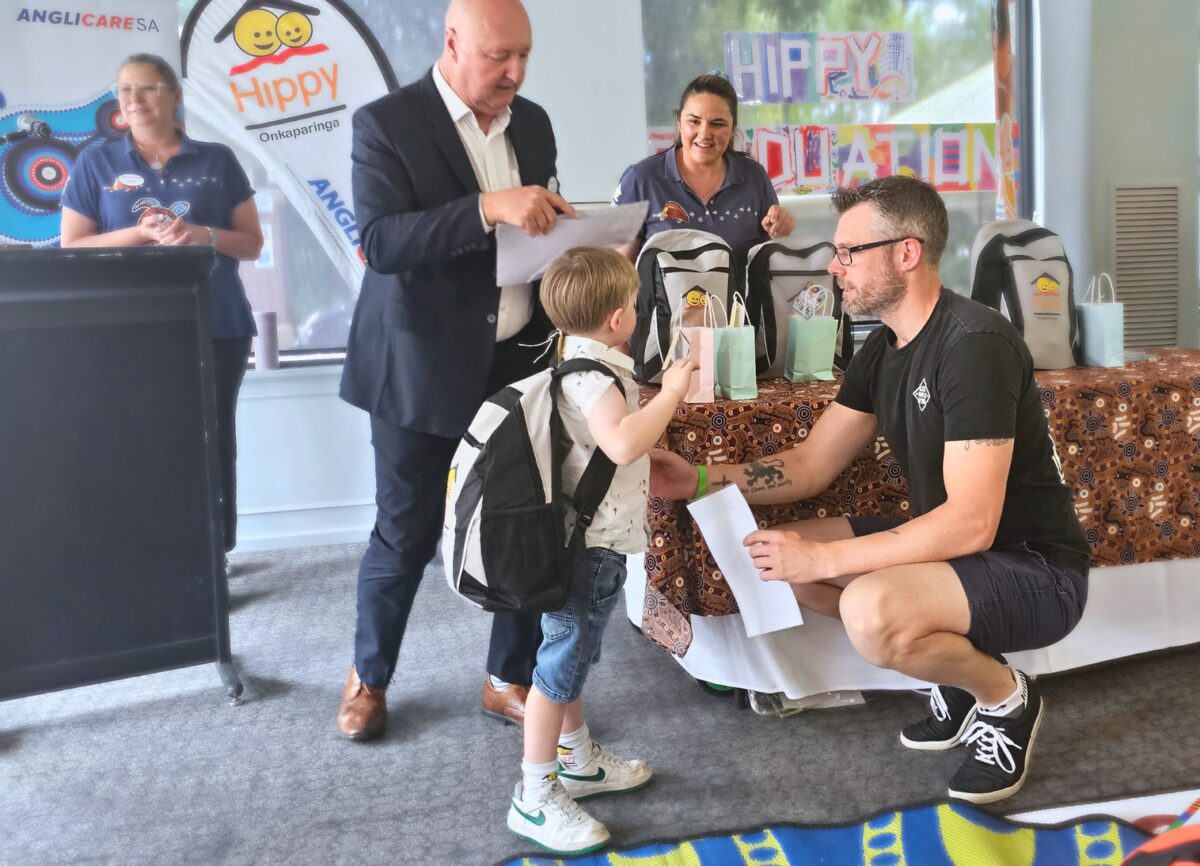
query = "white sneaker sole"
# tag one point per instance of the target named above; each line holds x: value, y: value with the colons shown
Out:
x: 940, y: 745
x: 993, y: 796
x: 522, y: 829
x: 585, y: 791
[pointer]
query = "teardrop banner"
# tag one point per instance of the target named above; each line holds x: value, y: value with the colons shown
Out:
x: 283, y: 79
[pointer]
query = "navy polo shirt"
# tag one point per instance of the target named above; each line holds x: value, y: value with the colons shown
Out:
x: 735, y: 212
x: 112, y: 186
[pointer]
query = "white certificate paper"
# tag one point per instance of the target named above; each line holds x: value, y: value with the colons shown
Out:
x: 522, y: 259
x: 724, y: 519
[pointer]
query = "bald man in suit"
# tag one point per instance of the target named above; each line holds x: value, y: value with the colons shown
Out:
x: 437, y: 165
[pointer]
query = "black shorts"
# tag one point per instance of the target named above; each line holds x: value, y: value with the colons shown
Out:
x: 1018, y: 599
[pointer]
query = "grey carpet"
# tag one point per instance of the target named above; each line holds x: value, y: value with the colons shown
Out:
x: 160, y: 769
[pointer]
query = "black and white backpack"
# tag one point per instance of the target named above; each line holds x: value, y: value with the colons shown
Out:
x: 776, y: 272
x: 1021, y: 269
x: 504, y: 545
x: 676, y: 267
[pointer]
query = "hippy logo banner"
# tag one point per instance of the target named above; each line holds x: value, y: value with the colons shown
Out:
x: 47, y: 117
x: 284, y: 78
x: 821, y: 67
x: 819, y: 159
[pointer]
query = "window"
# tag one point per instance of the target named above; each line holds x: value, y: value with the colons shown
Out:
x: 938, y: 111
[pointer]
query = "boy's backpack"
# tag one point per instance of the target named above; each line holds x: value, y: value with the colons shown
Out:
x: 676, y: 268
x: 1021, y: 269
x: 503, y: 539
x: 776, y: 272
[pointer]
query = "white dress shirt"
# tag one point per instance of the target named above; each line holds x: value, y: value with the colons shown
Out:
x: 495, y: 165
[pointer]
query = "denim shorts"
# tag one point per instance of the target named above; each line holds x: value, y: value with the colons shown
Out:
x: 1018, y: 599
x: 571, y: 635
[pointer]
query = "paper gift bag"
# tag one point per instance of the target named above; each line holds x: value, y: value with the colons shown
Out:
x: 737, y: 366
x: 810, y: 348
x: 811, y: 342
x: 697, y: 342
x: 1102, y: 325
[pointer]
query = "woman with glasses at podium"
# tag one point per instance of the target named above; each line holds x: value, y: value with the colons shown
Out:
x: 158, y: 186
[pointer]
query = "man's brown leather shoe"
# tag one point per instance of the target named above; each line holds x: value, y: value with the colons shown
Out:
x: 507, y: 704
x: 363, y: 711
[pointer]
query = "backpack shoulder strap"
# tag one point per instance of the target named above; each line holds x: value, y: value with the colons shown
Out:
x: 598, y: 474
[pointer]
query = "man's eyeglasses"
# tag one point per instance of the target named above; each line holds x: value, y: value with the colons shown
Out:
x: 845, y: 255
x: 145, y: 91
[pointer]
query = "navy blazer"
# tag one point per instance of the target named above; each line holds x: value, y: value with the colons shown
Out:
x: 424, y: 328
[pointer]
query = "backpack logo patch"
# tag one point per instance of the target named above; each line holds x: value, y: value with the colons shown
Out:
x: 1047, y: 293
x: 674, y: 212
x: 922, y: 395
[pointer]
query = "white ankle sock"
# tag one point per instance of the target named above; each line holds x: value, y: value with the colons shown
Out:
x: 497, y: 683
x: 536, y: 778
x: 1014, y: 703
x: 575, y: 748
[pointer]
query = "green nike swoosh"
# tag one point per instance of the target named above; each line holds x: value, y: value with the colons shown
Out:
x: 535, y: 821
x: 597, y: 776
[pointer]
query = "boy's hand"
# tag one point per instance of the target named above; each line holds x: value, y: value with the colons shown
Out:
x: 678, y: 377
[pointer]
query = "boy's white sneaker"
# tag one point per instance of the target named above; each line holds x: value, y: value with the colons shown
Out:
x: 555, y: 822
x: 604, y: 773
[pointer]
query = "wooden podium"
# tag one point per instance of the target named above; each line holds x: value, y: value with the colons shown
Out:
x: 112, y: 560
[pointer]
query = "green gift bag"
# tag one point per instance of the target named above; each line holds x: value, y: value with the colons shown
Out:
x: 810, y: 347
x: 737, y: 356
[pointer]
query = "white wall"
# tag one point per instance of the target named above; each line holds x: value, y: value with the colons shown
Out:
x: 1120, y: 104
x: 586, y: 71
x: 305, y: 465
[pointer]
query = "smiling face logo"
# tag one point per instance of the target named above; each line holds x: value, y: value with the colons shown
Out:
x: 696, y: 298
x: 294, y: 29
x: 1046, y: 285
x: 254, y: 33
x: 261, y: 32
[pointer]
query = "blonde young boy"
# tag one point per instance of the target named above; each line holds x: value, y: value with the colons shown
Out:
x: 589, y: 295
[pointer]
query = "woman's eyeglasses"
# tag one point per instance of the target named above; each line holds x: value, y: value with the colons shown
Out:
x: 145, y: 91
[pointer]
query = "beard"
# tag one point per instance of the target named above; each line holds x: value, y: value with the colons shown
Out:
x: 877, y: 294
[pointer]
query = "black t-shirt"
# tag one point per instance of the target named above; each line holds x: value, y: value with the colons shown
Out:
x: 969, y: 375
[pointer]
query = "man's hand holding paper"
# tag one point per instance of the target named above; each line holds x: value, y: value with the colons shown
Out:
x: 725, y: 521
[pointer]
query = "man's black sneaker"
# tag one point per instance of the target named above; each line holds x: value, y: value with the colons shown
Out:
x: 1001, y: 748
x: 953, y: 712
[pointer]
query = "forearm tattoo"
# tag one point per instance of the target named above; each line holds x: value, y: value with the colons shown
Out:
x: 765, y: 475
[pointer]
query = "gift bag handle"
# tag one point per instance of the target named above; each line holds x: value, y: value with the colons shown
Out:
x: 740, y: 303
x: 710, y: 310
x: 1095, y: 290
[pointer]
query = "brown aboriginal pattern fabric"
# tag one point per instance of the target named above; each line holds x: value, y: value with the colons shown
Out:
x: 1128, y: 437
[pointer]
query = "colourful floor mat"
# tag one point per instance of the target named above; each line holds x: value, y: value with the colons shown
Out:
x: 940, y: 834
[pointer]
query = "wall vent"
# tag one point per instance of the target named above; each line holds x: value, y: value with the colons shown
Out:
x: 1146, y: 261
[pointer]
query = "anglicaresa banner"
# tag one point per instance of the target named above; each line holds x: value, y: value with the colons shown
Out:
x: 58, y: 63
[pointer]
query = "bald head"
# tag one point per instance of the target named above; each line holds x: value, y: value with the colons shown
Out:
x: 487, y: 45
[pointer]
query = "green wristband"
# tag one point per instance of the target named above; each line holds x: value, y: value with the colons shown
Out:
x: 701, y: 481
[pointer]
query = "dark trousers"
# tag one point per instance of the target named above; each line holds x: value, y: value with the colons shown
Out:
x: 229, y: 368
x: 410, y: 495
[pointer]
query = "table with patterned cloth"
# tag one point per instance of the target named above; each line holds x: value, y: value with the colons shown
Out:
x: 1128, y: 437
